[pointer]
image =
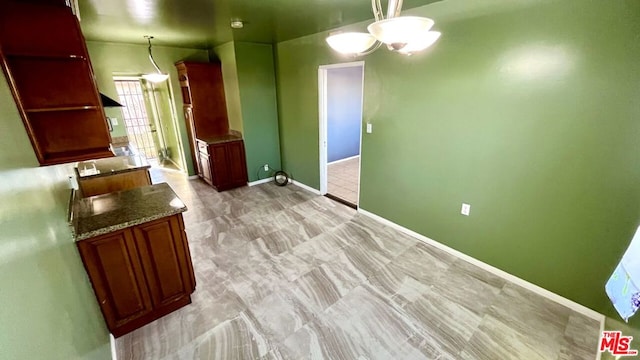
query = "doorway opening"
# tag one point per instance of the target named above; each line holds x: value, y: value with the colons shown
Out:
x: 141, y: 132
x: 340, y: 102
x: 149, y: 120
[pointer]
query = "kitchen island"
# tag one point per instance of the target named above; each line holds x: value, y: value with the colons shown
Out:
x: 135, y: 251
x: 103, y: 176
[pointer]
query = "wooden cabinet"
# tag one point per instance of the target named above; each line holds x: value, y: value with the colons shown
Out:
x: 140, y: 274
x: 203, y: 92
x: 117, y: 277
x: 205, y: 107
x: 45, y: 60
x: 103, y: 176
x: 117, y: 182
x: 223, y: 165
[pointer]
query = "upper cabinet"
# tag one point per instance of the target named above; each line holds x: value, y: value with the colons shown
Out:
x: 45, y: 59
x: 203, y: 92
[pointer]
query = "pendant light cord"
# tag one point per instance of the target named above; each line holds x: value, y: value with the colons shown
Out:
x: 153, y: 62
x: 393, y: 9
x: 377, y: 10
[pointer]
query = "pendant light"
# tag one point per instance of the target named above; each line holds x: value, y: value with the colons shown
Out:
x: 403, y: 34
x: 158, y: 76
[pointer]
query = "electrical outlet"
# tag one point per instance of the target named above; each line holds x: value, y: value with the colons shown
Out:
x: 369, y: 128
x: 266, y: 167
x: 466, y: 209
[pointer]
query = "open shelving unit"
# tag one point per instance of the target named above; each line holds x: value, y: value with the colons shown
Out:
x: 46, y: 62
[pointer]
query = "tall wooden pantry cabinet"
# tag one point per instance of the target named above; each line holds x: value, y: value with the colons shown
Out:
x: 217, y: 152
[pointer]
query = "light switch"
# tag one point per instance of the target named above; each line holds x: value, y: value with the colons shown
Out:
x: 114, y: 121
x: 369, y: 128
x: 466, y: 209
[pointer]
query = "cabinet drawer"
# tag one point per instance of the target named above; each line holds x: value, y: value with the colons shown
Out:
x: 203, y: 147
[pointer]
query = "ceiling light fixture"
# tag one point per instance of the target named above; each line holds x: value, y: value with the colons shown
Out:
x: 158, y: 76
x: 403, y: 34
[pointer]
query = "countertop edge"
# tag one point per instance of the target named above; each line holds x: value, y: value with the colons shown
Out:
x: 110, y: 173
x: 217, y: 141
x: 233, y: 135
x: 120, y: 226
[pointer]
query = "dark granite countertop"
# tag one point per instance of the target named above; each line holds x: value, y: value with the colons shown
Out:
x: 218, y: 139
x: 110, y: 166
x: 101, y: 214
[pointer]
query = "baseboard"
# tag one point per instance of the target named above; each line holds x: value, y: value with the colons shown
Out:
x: 503, y: 274
x: 341, y: 160
x: 306, y: 187
x: 193, y: 177
x: 599, y: 356
x: 262, y: 181
x: 342, y: 201
x: 112, y: 342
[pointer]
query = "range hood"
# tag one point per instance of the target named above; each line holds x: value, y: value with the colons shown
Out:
x: 108, y: 102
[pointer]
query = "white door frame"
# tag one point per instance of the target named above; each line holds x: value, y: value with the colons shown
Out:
x: 322, y: 112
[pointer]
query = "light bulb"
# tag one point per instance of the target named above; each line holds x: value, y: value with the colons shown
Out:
x: 156, y: 77
x: 351, y: 42
x: 399, y: 31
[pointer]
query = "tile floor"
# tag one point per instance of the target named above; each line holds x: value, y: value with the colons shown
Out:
x: 343, y: 179
x: 285, y: 274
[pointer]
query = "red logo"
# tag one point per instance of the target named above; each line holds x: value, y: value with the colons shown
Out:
x: 616, y: 344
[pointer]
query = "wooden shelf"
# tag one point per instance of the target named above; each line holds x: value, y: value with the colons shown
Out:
x: 45, y: 56
x: 65, y: 108
x: 73, y: 156
x: 45, y: 59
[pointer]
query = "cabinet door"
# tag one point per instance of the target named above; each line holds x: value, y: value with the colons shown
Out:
x: 219, y: 166
x: 165, y: 259
x: 203, y: 84
x: 205, y: 166
x: 229, y: 166
x: 237, y: 164
x: 116, y: 275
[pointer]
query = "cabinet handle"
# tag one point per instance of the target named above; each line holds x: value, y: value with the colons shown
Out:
x: 103, y: 302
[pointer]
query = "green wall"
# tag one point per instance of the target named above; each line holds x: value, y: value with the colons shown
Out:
x: 297, y: 64
x: 248, y: 71
x: 226, y: 54
x: 109, y: 59
x: 259, y: 107
x: 528, y: 111
x: 47, y: 306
